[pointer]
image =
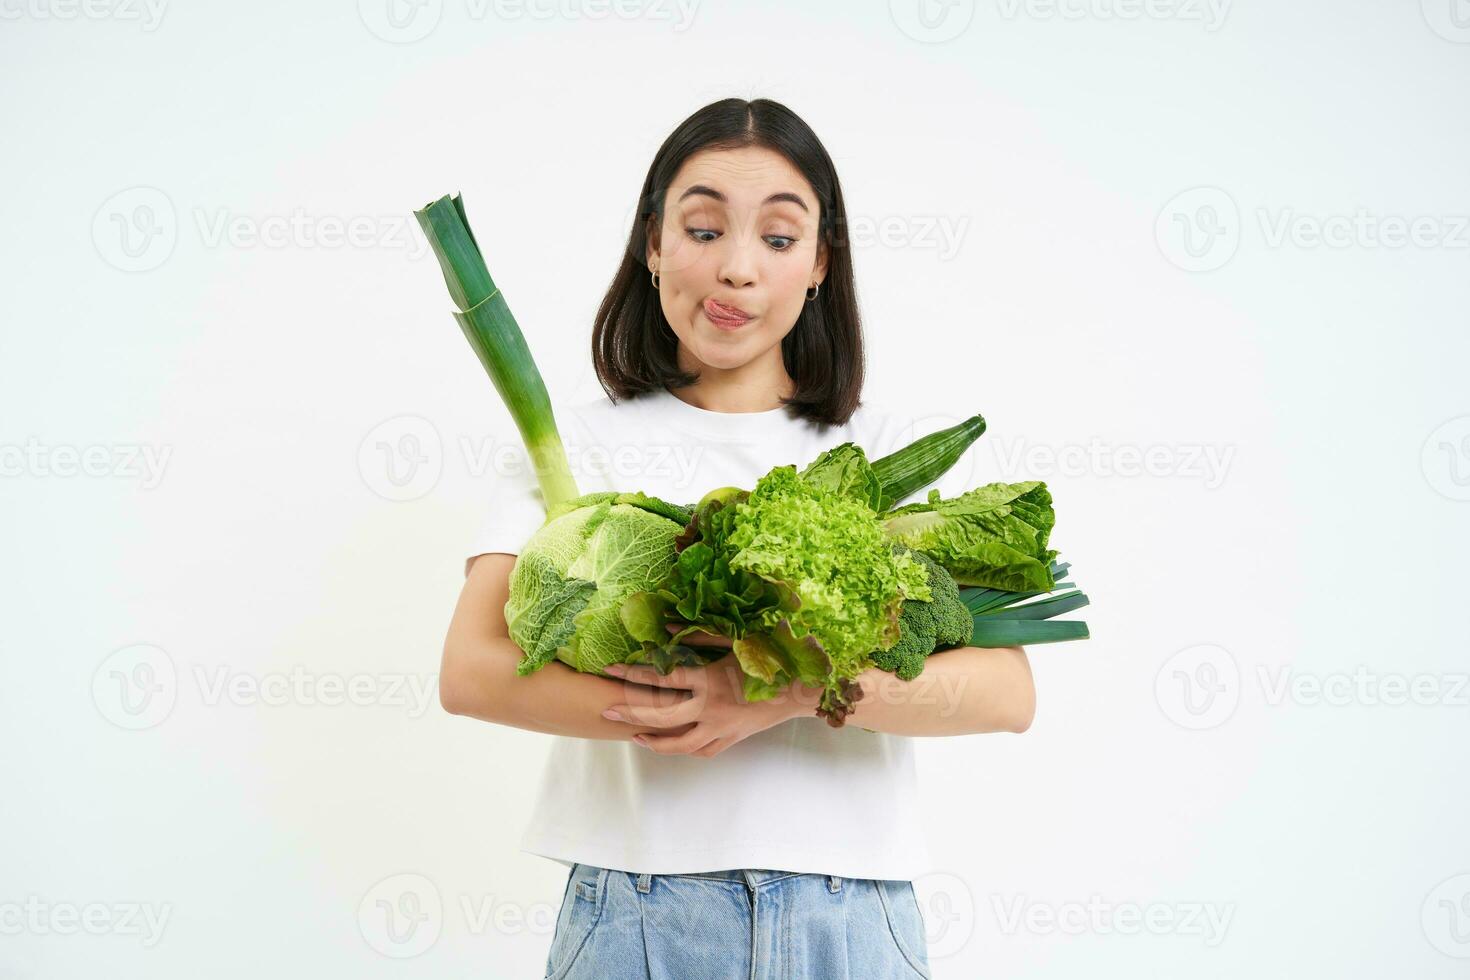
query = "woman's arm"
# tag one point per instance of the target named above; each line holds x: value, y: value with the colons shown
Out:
x: 962, y: 691
x: 477, y: 676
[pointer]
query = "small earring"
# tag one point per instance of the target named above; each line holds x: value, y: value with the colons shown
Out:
x: 816, y: 288
x: 654, y: 278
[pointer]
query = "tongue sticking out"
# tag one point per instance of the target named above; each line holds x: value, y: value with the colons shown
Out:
x: 719, y: 309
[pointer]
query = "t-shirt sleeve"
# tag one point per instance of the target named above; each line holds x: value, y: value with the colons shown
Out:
x: 514, y: 510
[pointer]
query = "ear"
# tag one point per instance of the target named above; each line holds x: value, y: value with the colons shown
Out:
x: 819, y: 271
x: 651, y: 253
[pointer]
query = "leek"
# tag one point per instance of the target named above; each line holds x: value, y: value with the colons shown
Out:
x: 497, y: 341
x: 1005, y: 619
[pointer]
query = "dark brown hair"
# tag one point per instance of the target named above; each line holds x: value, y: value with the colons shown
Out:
x: 633, y: 347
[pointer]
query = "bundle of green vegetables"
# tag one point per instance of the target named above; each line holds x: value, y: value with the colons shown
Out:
x: 814, y: 575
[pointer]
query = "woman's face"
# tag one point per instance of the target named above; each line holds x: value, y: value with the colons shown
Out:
x: 736, y: 253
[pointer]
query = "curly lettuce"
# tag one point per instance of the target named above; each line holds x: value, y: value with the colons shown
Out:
x: 798, y: 572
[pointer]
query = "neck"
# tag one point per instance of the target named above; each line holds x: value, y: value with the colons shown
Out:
x: 757, y: 386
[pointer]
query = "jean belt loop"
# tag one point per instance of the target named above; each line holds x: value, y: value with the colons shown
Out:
x: 645, y: 881
x: 834, y: 884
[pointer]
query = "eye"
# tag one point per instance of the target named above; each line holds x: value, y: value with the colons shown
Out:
x: 779, y: 243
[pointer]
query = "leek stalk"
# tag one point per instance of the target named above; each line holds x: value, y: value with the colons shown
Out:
x: 497, y: 341
x: 1006, y: 619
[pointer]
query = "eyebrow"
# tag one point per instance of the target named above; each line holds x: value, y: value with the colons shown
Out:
x: 773, y: 199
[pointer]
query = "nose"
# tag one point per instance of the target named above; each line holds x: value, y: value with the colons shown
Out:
x: 738, y: 260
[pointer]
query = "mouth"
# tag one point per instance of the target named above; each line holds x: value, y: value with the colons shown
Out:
x: 726, y: 317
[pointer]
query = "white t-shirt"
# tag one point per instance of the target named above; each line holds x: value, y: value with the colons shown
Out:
x: 801, y: 796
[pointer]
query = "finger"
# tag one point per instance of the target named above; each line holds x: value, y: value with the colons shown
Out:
x: 643, y: 696
x: 695, y: 738
x: 660, y: 716
x: 712, y: 749
x: 641, y: 674
x: 676, y: 730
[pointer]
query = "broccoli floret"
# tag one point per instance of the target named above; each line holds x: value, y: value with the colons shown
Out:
x: 924, y: 627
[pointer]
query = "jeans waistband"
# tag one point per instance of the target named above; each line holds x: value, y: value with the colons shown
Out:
x: 754, y: 878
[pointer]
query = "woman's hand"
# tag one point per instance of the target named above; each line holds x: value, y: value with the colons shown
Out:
x: 710, y: 698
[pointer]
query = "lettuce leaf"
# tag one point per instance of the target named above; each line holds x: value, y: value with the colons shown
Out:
x: 993, y: 536
x: 798, y: 572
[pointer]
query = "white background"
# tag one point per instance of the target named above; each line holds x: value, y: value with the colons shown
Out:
x: 1091, y: 222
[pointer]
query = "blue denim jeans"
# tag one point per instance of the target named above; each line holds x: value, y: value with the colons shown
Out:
x: 736, y: 925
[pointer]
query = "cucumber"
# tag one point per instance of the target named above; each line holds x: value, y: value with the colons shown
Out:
x: 925, y: 460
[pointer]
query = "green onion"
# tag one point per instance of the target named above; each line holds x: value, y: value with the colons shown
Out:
x: 497, y: 340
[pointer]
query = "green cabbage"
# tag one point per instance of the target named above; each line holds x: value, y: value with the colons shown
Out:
x: 571, y: 578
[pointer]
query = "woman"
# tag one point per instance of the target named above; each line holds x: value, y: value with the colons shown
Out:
x: 708, y: 837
